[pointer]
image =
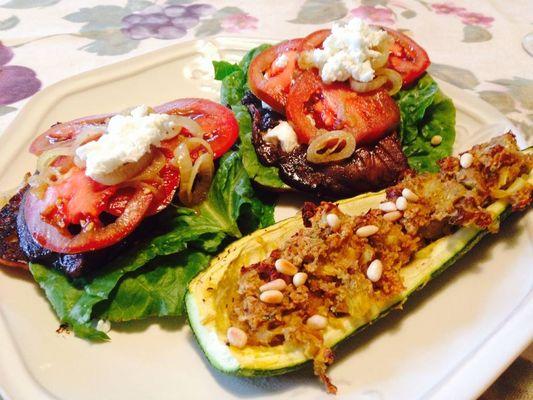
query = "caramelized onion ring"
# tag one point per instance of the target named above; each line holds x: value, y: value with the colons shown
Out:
x: 190, y: 124
x: 363, y: 87
x: 190, y: 193
x: 330, y: 146
x: 393, y: 77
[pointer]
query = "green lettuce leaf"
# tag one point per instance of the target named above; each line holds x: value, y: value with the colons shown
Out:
x: 265, y: 176
x: 234, y: 79
x: 425, y: 112
x: 214, y: 222
x: 155, y: 291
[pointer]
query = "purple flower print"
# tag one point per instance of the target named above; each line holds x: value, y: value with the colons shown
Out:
x: 446, y: 8
x: 238, y: 22
x: 5, y: 54
x: 374, y: 14
x: 473, y: 18
x: 16, y: 82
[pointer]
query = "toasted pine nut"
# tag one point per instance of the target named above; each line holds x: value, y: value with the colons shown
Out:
x: 299, y: 279
x: 436, y: 140
x: 392, y: 216
x: 237, y: 337
x: 271, y: 297
x: 374, y: 270
x: 103, y: 325
x: 466, y: 160
x: 366, y: 231
x: 317, y: 322
x: 409, y: 195
x: 387, y: 206
x: 285, y: 267
x: 333, y: 221
x: 276, y: 284
x: 401, y: 203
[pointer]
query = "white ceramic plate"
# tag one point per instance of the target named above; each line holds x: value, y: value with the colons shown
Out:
x: 451, y: 341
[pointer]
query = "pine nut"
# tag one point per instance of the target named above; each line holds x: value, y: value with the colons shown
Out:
x: 466, y: 160
x: 285, y: 267
x: 299, y: 279
x: 333, y: 221
x: 374, y: 270
x: 387, y: 206
x: 237, y: 337
x: 271, y: 297
x: 436, y: 140
x: 392, y: 216
x: 401, y: 203
x: 103, y: 325
x: 276, y: 284
x: 366, y: 231
x: 317, y: 322
x: 409, y: 195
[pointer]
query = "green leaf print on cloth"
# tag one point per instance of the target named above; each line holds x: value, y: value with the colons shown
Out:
x: 320, y: 11
x: 459, y: 77
x: 9, y: 23
x: 30, y: 3
x: 476, y: 34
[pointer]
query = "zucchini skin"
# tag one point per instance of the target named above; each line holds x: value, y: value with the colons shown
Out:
x: 249, y: 372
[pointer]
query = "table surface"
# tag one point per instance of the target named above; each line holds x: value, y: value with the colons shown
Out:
x: 477, y: 45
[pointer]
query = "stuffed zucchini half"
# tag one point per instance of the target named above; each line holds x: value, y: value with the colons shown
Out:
x: 416, y: 229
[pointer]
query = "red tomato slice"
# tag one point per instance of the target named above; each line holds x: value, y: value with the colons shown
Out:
x: 218, y: 122
x: 92, y: 236
x: 269, y: 82
x: 314, y: 40
x: 78, y: 203
x: 62, y: 132
x: 407, y: 57
x: 165, y: 189
x: 314, y: 105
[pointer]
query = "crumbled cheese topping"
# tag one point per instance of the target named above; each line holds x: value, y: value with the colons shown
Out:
x: 284, y: 135
x: 282, y: 61
x: 127, y: 138
x: 346, y: 53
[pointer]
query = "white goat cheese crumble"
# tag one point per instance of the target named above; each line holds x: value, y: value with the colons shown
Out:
x: 347, y: 52
x: 284, y: 135
x: 127, y: 138
x: 281, y: 61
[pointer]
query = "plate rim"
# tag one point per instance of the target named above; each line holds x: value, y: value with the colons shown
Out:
x: 15, y: 377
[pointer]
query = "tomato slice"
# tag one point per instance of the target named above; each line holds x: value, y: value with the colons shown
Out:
x: 218, y: 122
x: 271, y: 82
x: 77, y: 214
x: 313, y: 105
x: 91, y: 236
x: 314, y: 40
x: 61, y: 132
x: 407, y: 57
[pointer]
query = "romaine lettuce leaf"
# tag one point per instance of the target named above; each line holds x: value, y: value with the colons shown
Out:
x: 425, y: 112
x: 205, y: 229
x: 158, y: 290
x: 234, y: 79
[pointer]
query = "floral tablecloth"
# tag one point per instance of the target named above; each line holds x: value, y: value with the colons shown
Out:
x: 484, y: 46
